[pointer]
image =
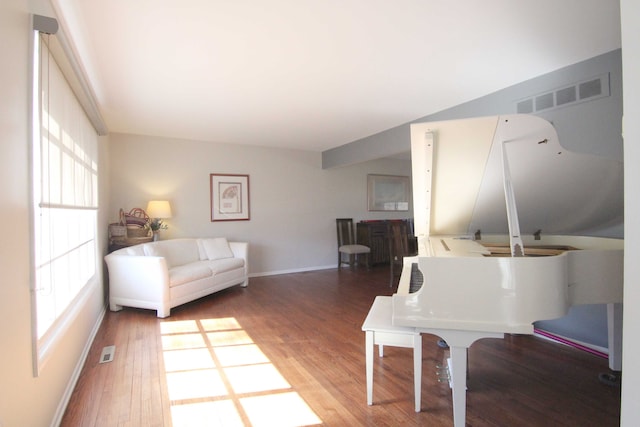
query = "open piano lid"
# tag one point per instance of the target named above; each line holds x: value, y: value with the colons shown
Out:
x: 555, y: 191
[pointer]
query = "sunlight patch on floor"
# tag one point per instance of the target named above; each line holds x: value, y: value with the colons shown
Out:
x: 282, y: 410
x: 179, y: 326
x: 247, y: 379
x: 195, y: 384
x: 182, y: 360
x: 182, y: 341
x: 217, y: 376
x: 221, y: 324
x: 221, y: 413
x: 240, y: 355
x: 218, y: 339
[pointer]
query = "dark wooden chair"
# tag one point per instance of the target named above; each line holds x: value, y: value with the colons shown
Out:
x: 348, y: 249
x: 398, y: 248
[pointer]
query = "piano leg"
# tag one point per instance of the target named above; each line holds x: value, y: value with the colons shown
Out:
x: 459, y: 342
x: 614, y: 326
x: 417, y: 370
x: 459, y: 384
x: 613, y: 378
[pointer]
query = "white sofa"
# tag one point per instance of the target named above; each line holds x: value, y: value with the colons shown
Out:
x: 164, y: 274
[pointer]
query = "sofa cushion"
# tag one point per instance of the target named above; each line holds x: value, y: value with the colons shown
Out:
x: 175, y: 251
x: 226, y: 264
x: 188, y: 273
x: 216, y: 248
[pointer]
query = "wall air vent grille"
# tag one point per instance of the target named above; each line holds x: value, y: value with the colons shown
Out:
x: 586, y: 90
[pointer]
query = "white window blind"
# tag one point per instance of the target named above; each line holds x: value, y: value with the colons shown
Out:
x: 65, y: 202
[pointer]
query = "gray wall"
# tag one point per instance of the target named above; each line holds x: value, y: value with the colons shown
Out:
x: 593, y: 127
x: 293, y: 201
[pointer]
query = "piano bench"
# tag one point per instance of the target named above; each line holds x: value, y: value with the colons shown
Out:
x: 380, y: 331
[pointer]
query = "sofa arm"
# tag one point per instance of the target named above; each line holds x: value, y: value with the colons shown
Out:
x: 241, y: 250
x: 140, y: 278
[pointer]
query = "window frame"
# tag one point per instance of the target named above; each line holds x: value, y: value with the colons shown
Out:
x: 43, y: 343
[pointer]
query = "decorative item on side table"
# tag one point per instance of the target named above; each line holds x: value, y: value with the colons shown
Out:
x: 131, y: 229
x: 158, y: 210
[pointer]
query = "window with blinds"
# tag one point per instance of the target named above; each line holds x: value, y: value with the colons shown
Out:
x: 65, y: 201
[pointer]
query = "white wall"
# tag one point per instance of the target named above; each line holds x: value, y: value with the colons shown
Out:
x: 630, y: 11
x: 24, y: 399
x: 293, y: 202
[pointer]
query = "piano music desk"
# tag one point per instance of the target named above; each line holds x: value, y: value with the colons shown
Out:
x: 379, y: 330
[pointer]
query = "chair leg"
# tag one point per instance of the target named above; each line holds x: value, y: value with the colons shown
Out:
x: 369, y: 344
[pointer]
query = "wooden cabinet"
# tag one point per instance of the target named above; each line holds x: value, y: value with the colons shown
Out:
x: 374, y: 235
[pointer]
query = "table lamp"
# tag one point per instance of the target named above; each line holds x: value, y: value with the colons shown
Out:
x: 158, y: 210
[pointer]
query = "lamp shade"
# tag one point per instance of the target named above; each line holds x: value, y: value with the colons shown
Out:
x: 159, y: 209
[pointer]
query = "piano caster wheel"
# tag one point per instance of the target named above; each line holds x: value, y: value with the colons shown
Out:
x: 612, y: 378
x: 442, y: 343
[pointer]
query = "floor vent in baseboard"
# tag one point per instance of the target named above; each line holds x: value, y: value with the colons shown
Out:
x: 107, y: 354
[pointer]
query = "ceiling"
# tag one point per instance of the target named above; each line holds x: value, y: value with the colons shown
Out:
x: 316, y: 74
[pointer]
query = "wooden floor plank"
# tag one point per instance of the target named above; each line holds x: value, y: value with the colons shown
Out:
x: 308, y: 326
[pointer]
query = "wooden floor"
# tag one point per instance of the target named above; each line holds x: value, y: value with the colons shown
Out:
x: 289, y: 351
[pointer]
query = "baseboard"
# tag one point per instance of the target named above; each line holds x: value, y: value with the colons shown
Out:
x: 294, y: 270
x: 71, y: 385
x: 571, y: 342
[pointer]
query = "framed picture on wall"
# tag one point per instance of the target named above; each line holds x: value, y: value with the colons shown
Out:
x: 387, y: 193
x: 229, y: 197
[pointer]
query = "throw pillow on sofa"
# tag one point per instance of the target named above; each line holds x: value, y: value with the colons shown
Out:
x: 175, y: 251
x: 216, y: 248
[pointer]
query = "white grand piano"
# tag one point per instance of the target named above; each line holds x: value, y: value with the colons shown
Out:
x: 503, y: 215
